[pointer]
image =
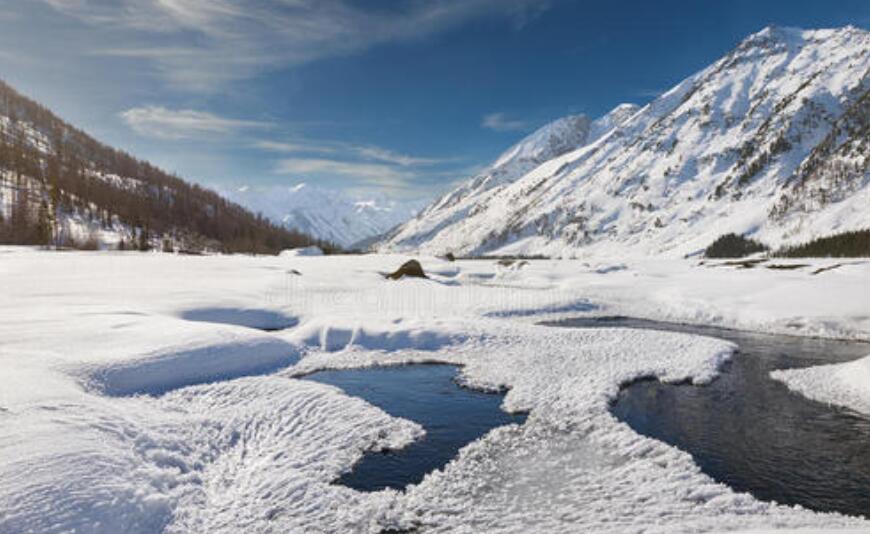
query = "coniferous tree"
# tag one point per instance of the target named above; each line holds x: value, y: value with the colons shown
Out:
x: 44, y: 226
x: 733, y: 246
x: 852, y: 244
x: 144, y: 242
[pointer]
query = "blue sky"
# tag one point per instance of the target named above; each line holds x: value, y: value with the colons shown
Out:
x: 400, y: 97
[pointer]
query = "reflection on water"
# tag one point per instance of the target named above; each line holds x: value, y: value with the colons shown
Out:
x: 749, y: 431
x: 452, y: 416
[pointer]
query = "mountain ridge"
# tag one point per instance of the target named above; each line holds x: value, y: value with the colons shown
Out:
x: 544, y: 144
x: 728, y: 149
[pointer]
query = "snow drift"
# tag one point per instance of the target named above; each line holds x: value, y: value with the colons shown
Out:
x: 178, y: 414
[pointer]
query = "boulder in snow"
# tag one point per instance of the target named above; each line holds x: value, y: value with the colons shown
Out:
x: 410, y: 268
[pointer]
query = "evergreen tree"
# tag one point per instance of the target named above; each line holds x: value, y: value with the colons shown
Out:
x: 44, y: 225
x: 733, y: 246
x: 144, y: 241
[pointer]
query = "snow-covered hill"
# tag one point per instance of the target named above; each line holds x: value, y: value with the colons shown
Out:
x: 326, y: 214
x: 771, y: 140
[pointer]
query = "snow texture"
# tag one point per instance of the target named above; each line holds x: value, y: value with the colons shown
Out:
x: 304, y: 251
x: 146, y: 392
x: 845, y: 384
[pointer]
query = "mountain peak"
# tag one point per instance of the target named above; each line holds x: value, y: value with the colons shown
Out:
x: 624, y: 108
x: 780, y: 32
x: 610, y: 120
x: 548, y: 141
x: 790, y: 35
x: 774, y: 37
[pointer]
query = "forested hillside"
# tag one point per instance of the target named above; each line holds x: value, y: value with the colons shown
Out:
x: 61, y: 187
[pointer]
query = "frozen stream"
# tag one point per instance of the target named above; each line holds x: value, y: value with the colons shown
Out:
x: 748, y: 431
x: 745, y: 429
x: 453, y: 416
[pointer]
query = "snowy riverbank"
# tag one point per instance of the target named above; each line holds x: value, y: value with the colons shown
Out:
x: 149, y: 392
x: 845, y: 384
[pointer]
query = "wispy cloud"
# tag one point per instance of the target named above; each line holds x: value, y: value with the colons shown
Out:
x: 366, y: 152
x: 396, y: 158
x: 296, y: 147
x: 373, y: 174
x: 163, y: 123
x: 197, y: 44
x: 367, y: 166
x: 500, y: 122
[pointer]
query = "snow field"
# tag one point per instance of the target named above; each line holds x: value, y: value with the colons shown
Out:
x: 143, y: 394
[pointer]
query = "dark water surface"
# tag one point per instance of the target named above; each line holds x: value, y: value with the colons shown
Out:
x: 748, y: 431
x: 453, y: 416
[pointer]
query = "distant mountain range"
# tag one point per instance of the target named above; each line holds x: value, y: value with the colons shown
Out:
x: 347, y: 220
x: 772, y: 141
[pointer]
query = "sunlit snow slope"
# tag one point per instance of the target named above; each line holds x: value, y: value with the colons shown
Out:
x: 770, y: 140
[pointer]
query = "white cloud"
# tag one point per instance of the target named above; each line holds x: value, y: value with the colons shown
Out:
x: 500, y: 122
x: 198, y: 44
x: 375, y: 174
x: 294, y: 147
x: 163, y: 123
x: 365, y: 152
x: 369, y: 167
x: 388, y: 156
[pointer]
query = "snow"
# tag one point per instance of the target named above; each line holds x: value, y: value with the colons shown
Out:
x: 147, y: 392
x: 336, y: 216
x: 832, y: 303
x: 80, y: 227
x: 541, y: 148
x: 303, y: 251
x: 845, y: 384
x: 732, y: 148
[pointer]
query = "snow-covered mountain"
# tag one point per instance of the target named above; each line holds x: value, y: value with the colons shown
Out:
x: 771, y: 140
x: 546, y: 143
x: 325, y: 213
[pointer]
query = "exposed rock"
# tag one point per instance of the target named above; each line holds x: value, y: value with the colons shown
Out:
x: 410, y: 268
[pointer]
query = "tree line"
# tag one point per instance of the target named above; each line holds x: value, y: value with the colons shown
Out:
x: 851, y: 244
